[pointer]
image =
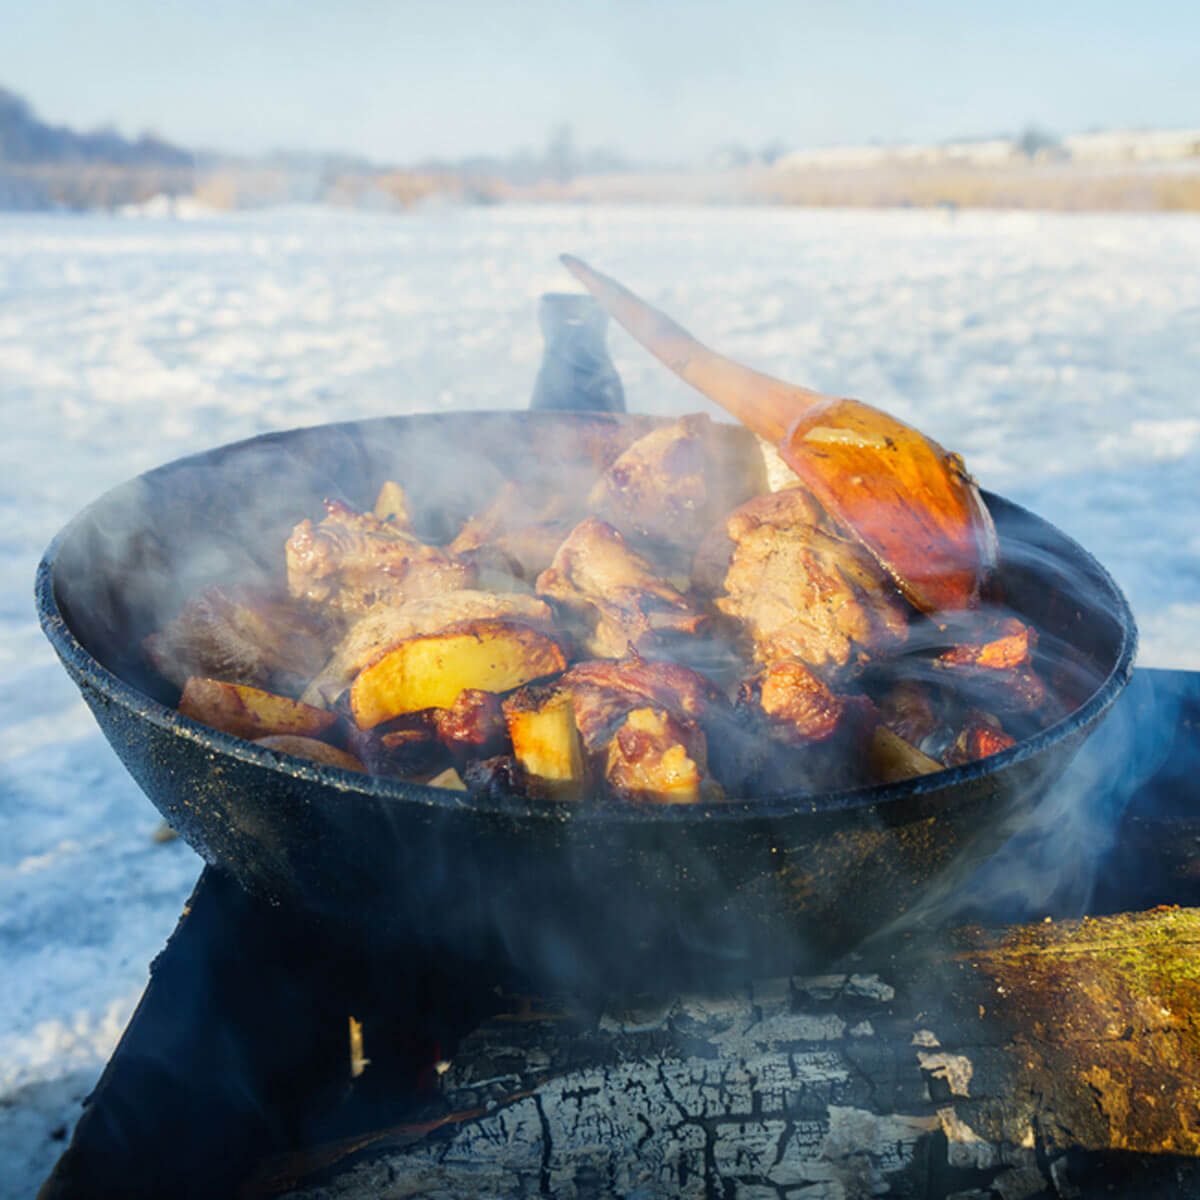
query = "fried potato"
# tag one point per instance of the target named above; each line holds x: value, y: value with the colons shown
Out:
x: 371, y: 636
x: 392, y: 505
x: 250, y: 712
x: 310, y: 748
x: 545, y: 740
x: 430, y: 672
x: 654, y: 757
x: 449, y: 779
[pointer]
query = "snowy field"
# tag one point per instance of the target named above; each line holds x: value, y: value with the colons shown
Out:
x: 1059, y: 354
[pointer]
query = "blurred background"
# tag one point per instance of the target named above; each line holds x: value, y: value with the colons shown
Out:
x: 223, y: 219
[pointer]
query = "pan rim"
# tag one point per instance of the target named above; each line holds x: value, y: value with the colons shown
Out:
x: 85, y: 667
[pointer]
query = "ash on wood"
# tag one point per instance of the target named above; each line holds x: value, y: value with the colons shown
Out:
x: 1052, y: 1059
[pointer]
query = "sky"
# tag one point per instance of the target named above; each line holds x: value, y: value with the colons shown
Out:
x: 661, y: 80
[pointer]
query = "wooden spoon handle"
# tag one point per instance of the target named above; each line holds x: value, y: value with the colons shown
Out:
x: 766, y: 405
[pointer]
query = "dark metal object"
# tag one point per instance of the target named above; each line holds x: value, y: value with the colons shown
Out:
x: 603, y: 896
x: 577, y: 374
x: 239, y: 1051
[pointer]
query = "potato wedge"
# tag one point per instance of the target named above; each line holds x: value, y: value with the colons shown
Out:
x: 430, y: 672
x: 450, y: 779
x: 371, y: 636
x: 654, y: 758
x: 392, y: 505
x: 250, y: 712
x: 546, y: 742
x: 310, y: 748
x: 892, y: 758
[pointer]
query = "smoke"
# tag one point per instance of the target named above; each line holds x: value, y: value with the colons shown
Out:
x: 603, y: 899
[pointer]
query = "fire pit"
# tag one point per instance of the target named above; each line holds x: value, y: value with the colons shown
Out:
x: 1056, y: 1057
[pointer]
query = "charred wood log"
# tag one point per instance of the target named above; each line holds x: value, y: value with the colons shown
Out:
x: 1036, y: 1060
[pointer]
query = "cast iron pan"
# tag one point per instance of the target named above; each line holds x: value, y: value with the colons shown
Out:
x: 603, y: 895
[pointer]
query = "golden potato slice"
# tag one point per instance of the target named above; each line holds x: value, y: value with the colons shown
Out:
x: 249, y: 712
x: 371, y: 636
x: 546, y: 741
x: 430, y: 672
x: 392, y: 505
x: 449, y: 778
x: 653, y: 757
x: 306, y: 747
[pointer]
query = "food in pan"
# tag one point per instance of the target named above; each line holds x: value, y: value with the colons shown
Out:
x: 707, y: 610
x: 767, y: 652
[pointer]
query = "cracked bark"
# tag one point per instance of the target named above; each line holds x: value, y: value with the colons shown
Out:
x: 995, y: 1064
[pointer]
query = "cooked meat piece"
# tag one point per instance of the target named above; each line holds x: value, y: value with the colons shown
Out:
x: 1010, y: 643
x: 407, y: 747
x: 515, y: 534
x: 671, y: 485
x: 351, y: 562
x: 996, y: 669
x: 981, y: 736
x: 909, y: 711
x: 241, y: 635
x: 473, y: 725
x: 658, y: 759
x: 604, y: 692
x: 377, y: 632
x: 614, y: 593
x: 798, y: 588
x: 797, y: 704
x: 503, y: 779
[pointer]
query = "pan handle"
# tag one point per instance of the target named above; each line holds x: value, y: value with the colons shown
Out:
x: 577, y: 374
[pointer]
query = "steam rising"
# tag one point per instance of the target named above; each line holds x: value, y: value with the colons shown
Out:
x: 584, y: 896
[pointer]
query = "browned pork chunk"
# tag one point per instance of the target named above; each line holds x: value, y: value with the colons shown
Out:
x: 514, y: 534
x: 614, y: 593
x: 910, y: 712
x: 242, y: 635
x: 604, y: 692
x: 799, y: 707
x: 671, y: 485
x: 350, y: 562
x: 995, y: 668
x: 980, y: 736
x: 797, y: 587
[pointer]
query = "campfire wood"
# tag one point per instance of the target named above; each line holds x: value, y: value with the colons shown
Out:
x: 1079, y: 1077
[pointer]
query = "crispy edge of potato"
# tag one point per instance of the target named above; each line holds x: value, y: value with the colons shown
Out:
x: 546, y: 741
x: 250, y: 712
x: 894, y: 759
x: 311, y: 748
x: 431, y: 671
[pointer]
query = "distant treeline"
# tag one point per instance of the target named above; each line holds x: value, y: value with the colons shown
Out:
x: 27, y: 140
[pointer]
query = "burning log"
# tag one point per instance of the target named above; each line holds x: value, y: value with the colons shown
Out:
x: 1015, y: 1062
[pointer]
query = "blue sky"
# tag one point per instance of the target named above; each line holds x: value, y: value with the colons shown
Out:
x: 401, y: 81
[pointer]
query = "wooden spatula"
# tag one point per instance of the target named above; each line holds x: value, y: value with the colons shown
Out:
x: 909, y: 502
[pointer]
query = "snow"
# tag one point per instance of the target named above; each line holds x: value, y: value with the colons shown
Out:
x: 1059, y: 353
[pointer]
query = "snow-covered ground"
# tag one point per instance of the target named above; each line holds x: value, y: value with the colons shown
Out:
x: 1060, y: 354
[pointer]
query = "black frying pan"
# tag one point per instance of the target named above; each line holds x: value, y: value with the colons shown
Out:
x: 604, y: 894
